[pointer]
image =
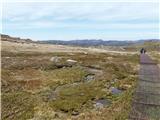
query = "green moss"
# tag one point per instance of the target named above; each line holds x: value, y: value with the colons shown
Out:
x: 74, y: 97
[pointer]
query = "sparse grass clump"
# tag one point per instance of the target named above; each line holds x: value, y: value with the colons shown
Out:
x: 17, y: 106
x: 65, y: 75
x: 155, y: 56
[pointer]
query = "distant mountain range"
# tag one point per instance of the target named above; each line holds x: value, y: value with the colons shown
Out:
x: 84, y: 42
x: 100, y: 42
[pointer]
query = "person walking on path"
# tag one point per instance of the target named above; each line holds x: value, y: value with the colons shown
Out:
x: 142, y: 51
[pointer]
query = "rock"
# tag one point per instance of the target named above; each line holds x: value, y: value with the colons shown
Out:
x: 126, y: 86
x: 114, y: 90
x: 55, y: 59
x: 75, y: 113
x: 109, y: 58
x: 94, y: 71
x: 89, y: 77
x: 85, y: 53
x: 101, y: 103
x: 98, y: 106
x: 71, y: 62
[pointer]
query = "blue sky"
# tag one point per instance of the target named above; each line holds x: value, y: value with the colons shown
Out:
x: 81, y: 20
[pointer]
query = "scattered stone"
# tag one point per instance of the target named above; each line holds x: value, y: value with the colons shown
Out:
x: 85, y: 53
x: 109, y: 58
x: 101, y: 103
x: 71, y: 62
x: 114, y: 90
x: 98, y: 106
x: 55, y: 59
x: 95, y: 71
x: 126, y: 86
x: 75, y: 113
x: 90, y: 77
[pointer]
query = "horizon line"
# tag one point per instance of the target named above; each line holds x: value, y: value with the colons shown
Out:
x: 80, y: 39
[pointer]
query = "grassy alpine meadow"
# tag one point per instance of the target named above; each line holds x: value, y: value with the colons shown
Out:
x: 69, y: 85
x: 64, y: 60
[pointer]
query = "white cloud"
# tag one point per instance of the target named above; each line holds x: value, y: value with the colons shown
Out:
x: 53, y: 12
x: 81, y: 16
x: 90, y: 11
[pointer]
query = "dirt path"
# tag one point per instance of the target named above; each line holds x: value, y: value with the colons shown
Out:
x: 146, y: 102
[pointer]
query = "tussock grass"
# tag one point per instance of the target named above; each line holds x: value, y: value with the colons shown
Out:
x: 17, y: 106
x: 29, y: 80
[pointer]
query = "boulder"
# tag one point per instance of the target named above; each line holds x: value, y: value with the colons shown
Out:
x: 71, y: 62
x: 55, y: 59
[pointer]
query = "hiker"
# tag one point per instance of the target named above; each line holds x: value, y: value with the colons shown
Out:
x: 143, y: 51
